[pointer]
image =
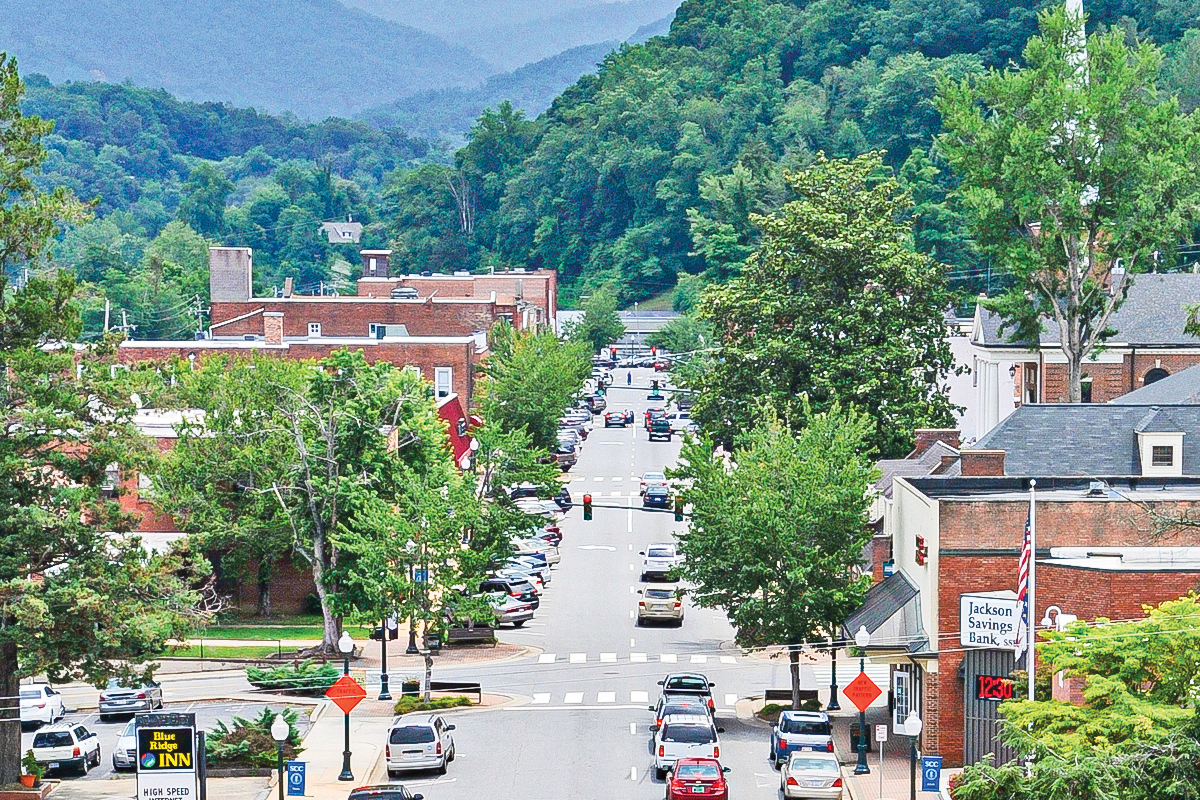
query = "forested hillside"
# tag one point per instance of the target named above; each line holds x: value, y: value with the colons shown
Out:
x: 313, y: 57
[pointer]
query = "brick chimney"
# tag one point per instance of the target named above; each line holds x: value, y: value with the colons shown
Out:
x: 376, y: 263
x: 982, y: 463
x: 230, y: 274
x: 925, y: 437
x: 273, y: 327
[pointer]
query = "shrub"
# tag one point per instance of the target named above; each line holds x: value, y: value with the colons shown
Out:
x: 407, y: 705
x: 248, y: 743
x: 307, y: 677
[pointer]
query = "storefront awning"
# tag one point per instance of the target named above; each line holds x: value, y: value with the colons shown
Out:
x: 891, y: 613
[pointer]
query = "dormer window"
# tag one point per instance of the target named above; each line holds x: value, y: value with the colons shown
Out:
x: 1160, y: 444
x: 1162, y: 456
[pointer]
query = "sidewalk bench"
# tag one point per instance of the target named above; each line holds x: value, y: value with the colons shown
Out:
x: 457, y: 687
x: 472, y: 635
x: 785, y: 695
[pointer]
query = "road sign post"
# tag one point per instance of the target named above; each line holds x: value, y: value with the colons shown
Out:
x: 881, y: 734
x: 166, y: 756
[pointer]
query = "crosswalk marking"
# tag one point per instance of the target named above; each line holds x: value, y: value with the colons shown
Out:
x: 668, y: 658
x: 618, y: 479
x: 578, y: 658
x: 728, y: 660
x: 541, y: 698
x: 731, y: 700
x: 597, y: 480
x: 637, y: 658
x: 875, y: 671
x: 614, y: 494
x: 573, y: 698
x: 546, y: 658
x: 639, y: 697
x: 606, y: 697
x: 608, y: 658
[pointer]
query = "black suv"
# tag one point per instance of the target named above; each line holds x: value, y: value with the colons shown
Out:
x: 521, y: 591
x: 660, y: 428
x: 689, y: 684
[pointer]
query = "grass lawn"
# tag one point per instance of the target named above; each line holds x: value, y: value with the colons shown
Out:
x: 211, y: 651
x: 660, y: 302
x: 272, y: 632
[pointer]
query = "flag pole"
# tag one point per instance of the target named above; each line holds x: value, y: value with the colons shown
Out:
x: 1031, y: 628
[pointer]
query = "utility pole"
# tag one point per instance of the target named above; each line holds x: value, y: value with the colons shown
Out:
x: 107, y: 312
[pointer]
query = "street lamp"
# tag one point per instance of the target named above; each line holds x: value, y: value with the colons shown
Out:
x: 384, y: 693
x: 1060, y: 621
x: 912, y: 727
x: 411, y: 547
x: 861, y: 640
x: 833, y: 687
x: 346, y: 646
x: 280, y: 730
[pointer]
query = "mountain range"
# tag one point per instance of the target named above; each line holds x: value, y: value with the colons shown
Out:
x: 314, y: 58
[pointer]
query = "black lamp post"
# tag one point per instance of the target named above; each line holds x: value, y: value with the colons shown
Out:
x: 384, y: 693
x: 280, y: 730
x: 412, y: 650
x: 346, y: 646
x: 912, y: 727
x: 833, y: 705
x: 862, y: 639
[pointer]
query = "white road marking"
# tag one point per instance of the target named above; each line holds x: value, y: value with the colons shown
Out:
x: 728, y: 660
x: 633, y: 774
x: 668, y: 658
x: 632, y: 615
x: 580, y: 478
x: 631, y: 547
x: 632, y: 568
x: 617, y: 479
x: 637, y: 658
x: 614, y: 494
x: 633, y: 729
x: 547, y: 658
x: 608, y: 658
x: 632, y: 643
x: 633, y: 590
x: 731, y: 700
x: 541, y: 698
x: 578, y: 658
x: 597, y: 547
x: 573, y: 698
x: 606, y: 697
x: 699, y: 659
x: 639, y: 697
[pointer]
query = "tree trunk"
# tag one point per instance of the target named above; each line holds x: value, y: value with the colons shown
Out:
x: 1074, y: 376
x: 264, y: 587
x: 331, y: 624
x: 428, y: 670
x: 10, y: 712
x: 794, y: 667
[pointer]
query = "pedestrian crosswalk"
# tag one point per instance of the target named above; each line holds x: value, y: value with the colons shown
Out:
x: 636, y: 658
x: 637, y: 697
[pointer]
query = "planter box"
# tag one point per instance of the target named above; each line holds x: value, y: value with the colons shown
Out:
x: 237, y: 772
x: 36, y: 793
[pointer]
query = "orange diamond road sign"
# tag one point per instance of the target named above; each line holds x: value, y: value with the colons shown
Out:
x: 861, y: 691
x: 346, y: 693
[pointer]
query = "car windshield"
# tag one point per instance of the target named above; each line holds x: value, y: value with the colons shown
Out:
x: 809, y: 763
x: 130, y: 729
x: 806, y: 727
x: 414, y: 734
x: 683, y: 708
x: 659, y: 594
x: 688, y: 734
x: 53, y: 739
x: 31, y: 693
x: 688, y: 684
x: 659, y: 552
x: 693, y: 771
x: 653, y: 476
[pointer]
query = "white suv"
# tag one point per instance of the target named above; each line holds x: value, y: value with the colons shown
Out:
x: 419, y: 742
x: 660, y: 559
x: 684, y: 736
x: 40, y: 704
x: 63, y: 747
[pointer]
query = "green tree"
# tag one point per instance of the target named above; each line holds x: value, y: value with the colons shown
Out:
x: 775, y: 533
x: 80, y: 598
x: 835, y: 306
x: 601, y: 325
x: 684, y: 334
x: 204, y: 197
x: 531, y: 378
x: 1075, y: 172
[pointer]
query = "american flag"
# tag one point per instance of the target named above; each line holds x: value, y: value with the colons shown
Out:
x: 1022, y: 640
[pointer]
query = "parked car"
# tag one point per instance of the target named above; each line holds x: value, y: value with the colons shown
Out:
x: 62, y: 747
x: 517, y: 575
x: 570, y: 436
x: 659, y: 429
x: 689, y: 684
x: 528, y: 568
x: 566, y: 456
x: 563, y: 499
x: 618, y: 419
x: 384, y: 791
x: 597, y: 403
x: 527, y: 546
x: 681, y: 422
x: 40, y: 705
x: 125, y: 750
x: 698, y: 777
x: 811, y: 775
x: 539, y: 508
x: 661, y: 602
x: 669, y: 704
x: 800, y: 731
x: 517, y: 588
x: 659, y: 558
x: 652, y: 479
x: 417, y: 743
x: 656, y: 497
x: 662, y: 366
x: 117, y: 699
x: 684, y: 736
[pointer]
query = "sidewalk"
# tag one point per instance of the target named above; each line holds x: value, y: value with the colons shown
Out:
x: 896, y: 762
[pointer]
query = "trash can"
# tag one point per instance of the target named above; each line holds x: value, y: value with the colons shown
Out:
x: 854, y: 737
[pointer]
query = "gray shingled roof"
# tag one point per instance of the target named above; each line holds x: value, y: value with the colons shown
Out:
x: 1182, y: 388
x: 919, y: 467
x: 1084, y: 439
x: 1154, y: 313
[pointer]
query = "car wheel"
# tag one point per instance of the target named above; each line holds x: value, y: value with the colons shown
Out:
x: 452, y: 754
x: 442, y: 769
x: 518, y: 623
x: 637, y: 623
x: 660, y: 774
x: 393, y: 775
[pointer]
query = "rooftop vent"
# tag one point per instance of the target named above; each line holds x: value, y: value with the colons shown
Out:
x: 1097, y: 489
x: 404, y: 293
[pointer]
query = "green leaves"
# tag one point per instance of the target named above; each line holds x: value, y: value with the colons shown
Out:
x: 600, y: 326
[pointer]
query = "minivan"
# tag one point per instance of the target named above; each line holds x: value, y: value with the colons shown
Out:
x: 419, y: 742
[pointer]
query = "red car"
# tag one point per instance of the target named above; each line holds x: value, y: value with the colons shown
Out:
x: 698, y: 777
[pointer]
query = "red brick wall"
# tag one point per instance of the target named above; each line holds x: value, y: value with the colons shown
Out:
x: 291, y: 584
x: 974, y: 527
x: 538, y: 288
x: 1113, y: 380
x: 350, y: 316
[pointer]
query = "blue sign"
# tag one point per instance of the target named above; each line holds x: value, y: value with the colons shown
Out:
x: 931, y: 773
x: 295, y: 778
x: 420, y: 576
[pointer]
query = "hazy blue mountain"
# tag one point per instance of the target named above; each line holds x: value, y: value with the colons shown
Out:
x: 313, y: 57
x: 513, y: 33
x: 449, y: 113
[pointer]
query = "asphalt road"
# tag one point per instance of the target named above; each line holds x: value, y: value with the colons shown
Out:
x: 581, y: 727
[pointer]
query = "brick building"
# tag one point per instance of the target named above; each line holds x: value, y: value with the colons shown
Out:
x: 1149, y: 344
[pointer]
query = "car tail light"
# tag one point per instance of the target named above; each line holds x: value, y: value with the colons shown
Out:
x: 40, y: 705
x: 387, y: 750
x: 837, y: 783
x: 678, y: 604
x: 783, y: 742
x: 792, y: 781
x: 439, y: 749
x: 716, y: 752
x: 103, y: 696
x: 662, y: 751
x: 710, y: 703
x: 640, y: 603
x: 75, y: 753
x: 515, y: 594
x: 141, y: 696
x: 829, y: 747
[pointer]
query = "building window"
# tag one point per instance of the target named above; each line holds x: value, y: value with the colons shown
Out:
x: 1085, y: 389
x: 374, y: 265
x: 1162, y: 456
x: 415, y: 370
x: 443, y: 379
x: 902, y: 699
x: 1156, y: 374
x: 314, y: 329
x: 377, y: 330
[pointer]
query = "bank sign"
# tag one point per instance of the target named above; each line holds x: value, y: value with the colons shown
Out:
x: 166, y: 756
x: 988, y: 620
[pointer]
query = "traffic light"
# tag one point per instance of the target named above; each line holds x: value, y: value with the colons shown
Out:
x: 612, y: 352
x: 679, y: 508
x: 600, y: 390
x: 587, y: 506
x: 654, y: 351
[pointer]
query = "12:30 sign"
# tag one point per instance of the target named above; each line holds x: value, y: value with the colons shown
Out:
x: 994, y: 687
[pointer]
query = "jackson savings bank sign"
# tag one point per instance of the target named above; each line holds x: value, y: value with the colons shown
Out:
x: 988, y: 620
